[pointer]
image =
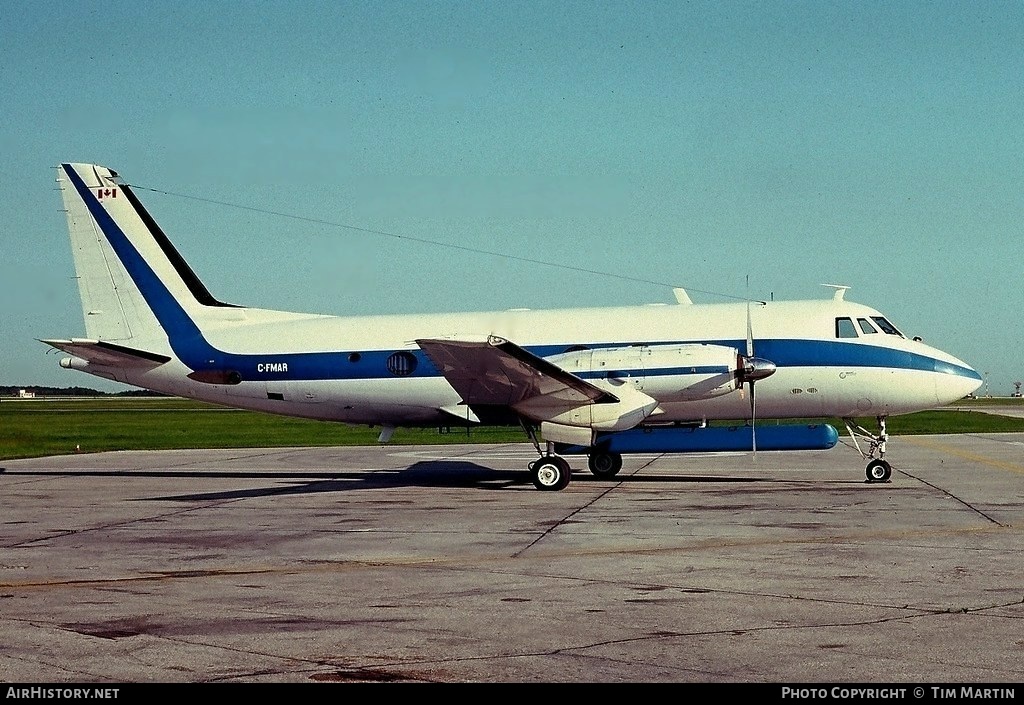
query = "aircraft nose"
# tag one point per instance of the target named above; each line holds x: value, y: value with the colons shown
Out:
x: 956, y: 380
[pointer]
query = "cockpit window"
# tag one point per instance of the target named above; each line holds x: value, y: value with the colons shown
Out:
x: 865, y: 326
x: 886, y: 326
x: 845, y: 329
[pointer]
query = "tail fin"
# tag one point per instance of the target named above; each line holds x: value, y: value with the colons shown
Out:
x: 133, y: 284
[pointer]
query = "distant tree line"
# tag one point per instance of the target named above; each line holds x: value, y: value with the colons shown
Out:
x: 9, y: 391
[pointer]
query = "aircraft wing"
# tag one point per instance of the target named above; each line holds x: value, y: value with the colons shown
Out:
x: 496, y: 371
x: 98, y: 352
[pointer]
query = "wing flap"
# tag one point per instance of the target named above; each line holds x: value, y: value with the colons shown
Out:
x: 497, y: 371
x: 103, y: 354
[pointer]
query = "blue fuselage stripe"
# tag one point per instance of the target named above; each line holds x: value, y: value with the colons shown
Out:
x: 654, y: 372
x: 784, y: 353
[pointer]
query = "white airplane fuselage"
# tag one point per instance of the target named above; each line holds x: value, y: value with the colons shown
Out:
x: 335, y: 367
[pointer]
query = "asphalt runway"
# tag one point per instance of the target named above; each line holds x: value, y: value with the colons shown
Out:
x: 445, y: 564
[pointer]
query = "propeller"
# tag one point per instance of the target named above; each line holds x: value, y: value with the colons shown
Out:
x: 749, y: 370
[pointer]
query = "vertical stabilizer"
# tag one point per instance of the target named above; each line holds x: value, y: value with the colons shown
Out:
x: 134, y: 285
x: 112, y: 305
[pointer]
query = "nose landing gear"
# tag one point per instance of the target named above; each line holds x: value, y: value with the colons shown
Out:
x: 878, y: 469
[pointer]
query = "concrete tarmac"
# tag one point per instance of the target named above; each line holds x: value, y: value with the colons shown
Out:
x: 445, y: 564
x: 1014, y: 410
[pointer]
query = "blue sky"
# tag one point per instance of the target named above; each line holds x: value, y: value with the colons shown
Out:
x: 872, y: 144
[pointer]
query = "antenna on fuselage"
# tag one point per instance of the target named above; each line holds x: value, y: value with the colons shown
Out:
x: 681, y: 296
x: 840, y: 291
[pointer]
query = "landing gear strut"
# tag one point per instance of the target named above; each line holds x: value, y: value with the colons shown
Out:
x: 878, y: 469
x: 551, y: 472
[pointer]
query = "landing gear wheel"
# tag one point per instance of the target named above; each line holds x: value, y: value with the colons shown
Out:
x: 878, y: 471
x: 551, y: 473
x: 605, y: 465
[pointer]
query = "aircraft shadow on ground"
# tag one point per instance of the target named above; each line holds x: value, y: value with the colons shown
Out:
x: 430, y: 473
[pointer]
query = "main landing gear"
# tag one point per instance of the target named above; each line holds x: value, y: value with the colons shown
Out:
x: 878, y: 469
x: 604, y: 465
x: 551, y: 472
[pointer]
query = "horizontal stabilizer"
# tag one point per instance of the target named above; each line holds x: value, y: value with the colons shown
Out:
x: 496, y: 371
x: 103, y: 354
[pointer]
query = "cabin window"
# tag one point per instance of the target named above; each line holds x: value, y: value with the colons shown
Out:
x: 865, y: 326
x: 845, y: 329
x: 886, y: 326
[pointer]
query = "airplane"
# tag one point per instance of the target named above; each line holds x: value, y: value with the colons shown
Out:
x: 601, y: 381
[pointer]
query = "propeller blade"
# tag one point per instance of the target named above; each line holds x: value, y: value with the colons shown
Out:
x: 753, y: 420
x: 753, y: 369
x: 750, y: 333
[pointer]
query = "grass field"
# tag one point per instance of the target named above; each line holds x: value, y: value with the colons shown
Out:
x: 39, y: 427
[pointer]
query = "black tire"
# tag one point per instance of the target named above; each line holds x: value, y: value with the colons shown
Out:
x: 605, y: 465
x: 878, y: 471
x: 550, y: 474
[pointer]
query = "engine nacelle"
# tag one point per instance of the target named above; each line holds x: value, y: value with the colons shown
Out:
x: 632, y: 408
x: 671, y: 372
